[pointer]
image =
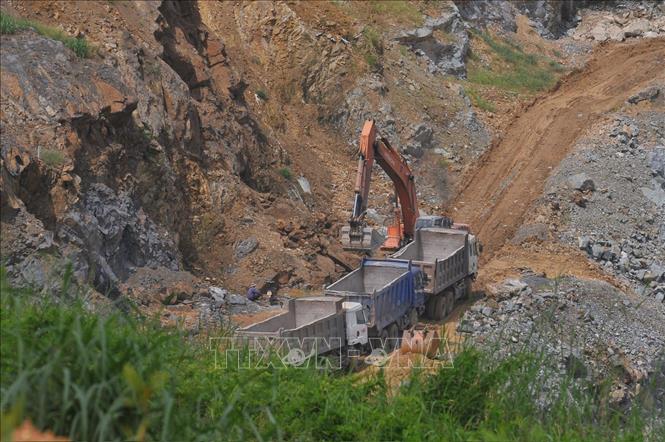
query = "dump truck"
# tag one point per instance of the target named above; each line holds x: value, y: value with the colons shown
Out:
x: 391, y: 294
x: 314, y: 325
x: 449, y: 258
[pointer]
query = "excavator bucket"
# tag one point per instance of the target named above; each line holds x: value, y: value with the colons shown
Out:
x: 421, y: 341
x: 358, y: 239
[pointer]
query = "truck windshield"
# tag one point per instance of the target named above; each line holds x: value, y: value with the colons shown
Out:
x: 360, y: 317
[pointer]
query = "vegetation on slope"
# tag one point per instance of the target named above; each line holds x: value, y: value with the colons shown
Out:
x: 119, y: 377
x: 513, y: 69
x: 11, y: 25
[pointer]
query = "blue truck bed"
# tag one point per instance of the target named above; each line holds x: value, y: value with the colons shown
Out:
x: 387, y: 289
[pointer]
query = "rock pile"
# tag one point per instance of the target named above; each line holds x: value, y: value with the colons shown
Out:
x: 587, y: 329
x: 647, y: 21
x: 611, y: 193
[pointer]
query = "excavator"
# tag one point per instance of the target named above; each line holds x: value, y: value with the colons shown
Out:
x: 357, y: 236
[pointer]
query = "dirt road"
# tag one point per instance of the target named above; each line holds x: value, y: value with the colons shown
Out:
x: 495, y: 197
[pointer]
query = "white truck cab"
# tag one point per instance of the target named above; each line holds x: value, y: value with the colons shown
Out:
x: 356, y: 323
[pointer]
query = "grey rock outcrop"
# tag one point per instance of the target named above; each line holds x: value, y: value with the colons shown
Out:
x: 110, y: 235
x: 445, y: 56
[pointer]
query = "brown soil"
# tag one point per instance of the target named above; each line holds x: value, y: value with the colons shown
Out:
x: 496, y: 196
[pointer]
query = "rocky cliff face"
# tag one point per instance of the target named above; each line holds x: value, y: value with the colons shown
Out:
x: 144, y: 155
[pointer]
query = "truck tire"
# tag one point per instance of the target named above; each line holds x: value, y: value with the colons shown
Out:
x: 393, y: 333
x: 430, y: 306
x: 449, y: 301
x: 439, y: 308
x: 413, y: 317
x: 385, y: 339
x: 468, y: 287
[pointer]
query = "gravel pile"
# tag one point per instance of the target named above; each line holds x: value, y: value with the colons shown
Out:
x: 611, y: 197
x: 587, y: 329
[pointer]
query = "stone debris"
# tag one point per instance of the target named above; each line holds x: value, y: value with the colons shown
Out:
x: 246, y: 246
x: 585, y: 329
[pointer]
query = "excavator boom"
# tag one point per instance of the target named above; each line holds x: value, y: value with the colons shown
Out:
x: 356, y: 235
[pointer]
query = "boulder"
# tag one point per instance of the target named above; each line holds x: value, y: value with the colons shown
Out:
x: 637, y: 28
x: 582, y: 182
x: 584, y: 242
x: 218, y: 294
x: 238, y: 300
x: 245, y: 247
x: 508, y: 289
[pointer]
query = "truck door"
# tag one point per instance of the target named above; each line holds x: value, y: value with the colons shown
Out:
x: 356, y: 327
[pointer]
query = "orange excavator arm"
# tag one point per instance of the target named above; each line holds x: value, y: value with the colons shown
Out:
x: 356, y: 236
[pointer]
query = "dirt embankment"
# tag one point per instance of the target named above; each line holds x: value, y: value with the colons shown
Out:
x: 495, y: 198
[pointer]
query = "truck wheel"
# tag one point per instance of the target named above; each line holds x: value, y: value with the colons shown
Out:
x: 385, y: 340
x: 413, y: 317
x: 393, y: 332
x: 468, y: 287
x: 449, y: 303
x: 430, y: 304
x: 439, y: 309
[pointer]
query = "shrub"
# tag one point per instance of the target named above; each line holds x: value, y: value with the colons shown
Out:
x: 286, y: 173
x: 52, y: 158
x: 374, y: 38
x: 11, y: 25
x: 371, y: 60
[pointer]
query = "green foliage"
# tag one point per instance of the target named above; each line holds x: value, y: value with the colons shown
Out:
x: 375, y: 43
x: 371, y: 60
x: 480, y: 102
x: 262, y: 94
x: 8, y: 24
x: 525, y: 72
x: 52, y: 158
x: 285, y: 172
x: 11, y: 25
x: 373, y: 38
x: 119, y: 377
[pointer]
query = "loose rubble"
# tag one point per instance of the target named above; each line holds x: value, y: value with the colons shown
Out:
x: 615, y: 209
x: 587, y: 329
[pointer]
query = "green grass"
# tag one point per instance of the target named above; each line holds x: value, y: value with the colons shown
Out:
x: 285, y: 172
x: 478, y: 100
x: 121, y: 377
x: 525, y: 72
x: 11, y: 25
x: 52, y: 158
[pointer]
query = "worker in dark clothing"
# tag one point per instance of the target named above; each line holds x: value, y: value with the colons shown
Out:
x: 253, y: 293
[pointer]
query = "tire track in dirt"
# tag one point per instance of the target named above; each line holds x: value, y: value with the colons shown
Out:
x: 496, y: 196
